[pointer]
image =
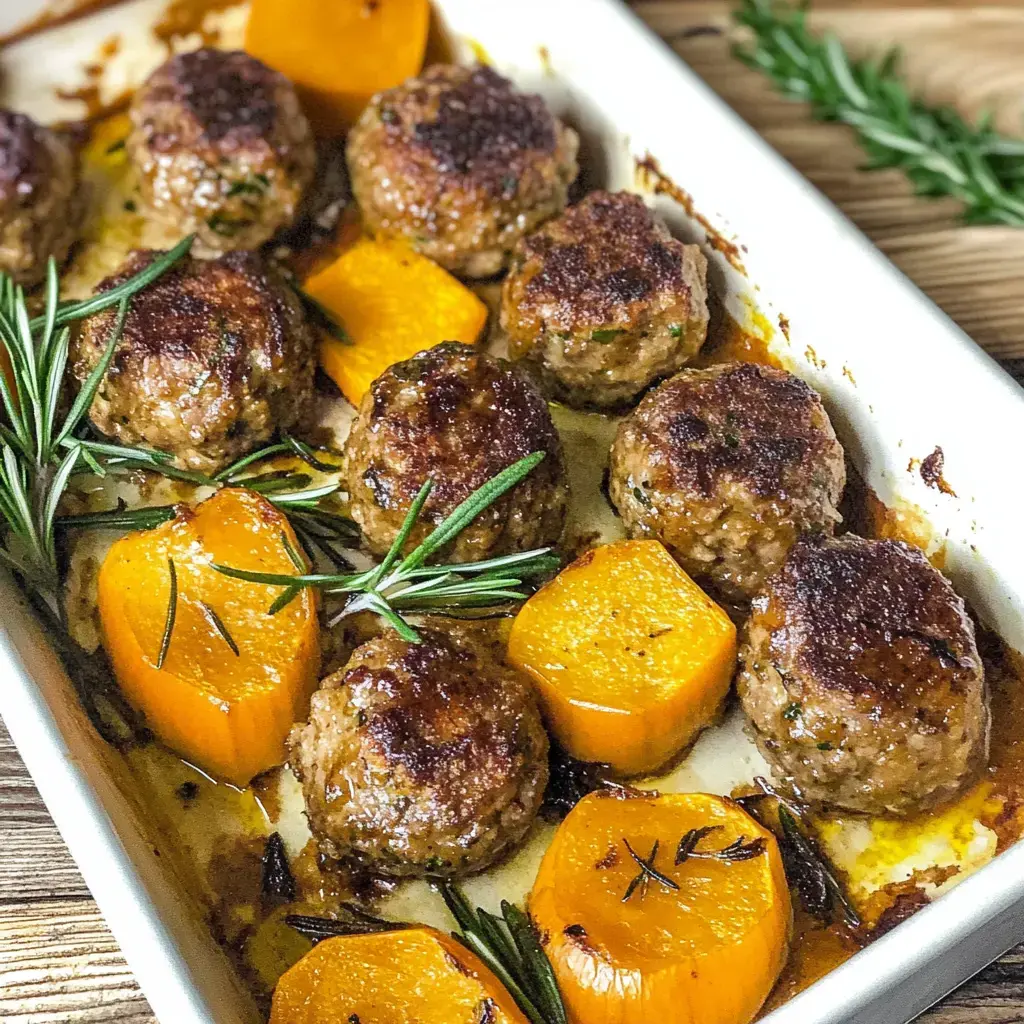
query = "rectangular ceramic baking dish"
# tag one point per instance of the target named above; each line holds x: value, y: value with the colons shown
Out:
x: 898, y: 377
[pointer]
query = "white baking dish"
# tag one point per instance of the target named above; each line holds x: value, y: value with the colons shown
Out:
x: 898, y: 376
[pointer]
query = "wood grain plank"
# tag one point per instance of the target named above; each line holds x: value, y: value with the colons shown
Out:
x: 968, y: 56
x: 59, y: 964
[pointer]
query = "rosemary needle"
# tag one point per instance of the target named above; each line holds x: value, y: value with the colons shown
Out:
x: 218, y: 624
x: 940, y: 152
x: 172, y: 613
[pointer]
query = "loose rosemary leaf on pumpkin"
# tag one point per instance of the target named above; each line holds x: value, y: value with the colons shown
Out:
x: 509, y: 946
x: 940, y: 152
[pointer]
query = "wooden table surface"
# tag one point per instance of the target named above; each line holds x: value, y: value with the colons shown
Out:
x: 58, y: 961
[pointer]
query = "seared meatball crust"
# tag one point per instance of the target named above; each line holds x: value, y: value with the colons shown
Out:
x: 461, y: 165
x: 603, y: 301
x: 40, y: 204
x: 458, y: 417
x: 861, y: 679
x: 727, y: 466
x: 221, y: 147
x: 422, y: 759
x: 216, y: 356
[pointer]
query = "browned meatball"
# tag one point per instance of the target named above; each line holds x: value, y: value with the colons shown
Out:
x: 603, y: 301
x: 459, y: 417
x: 861, y: 678
x: 40, y: 204
x: 215, y: 357
x: 461, y: 165
x: 222, y: 148
x: 726, y: 467
x: 422, y: 759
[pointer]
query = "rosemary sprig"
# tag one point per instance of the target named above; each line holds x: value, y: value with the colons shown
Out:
x: 317, y: 527
x: 120, y: 518
x: 406, y: 584
x: 940, y: 152
x: 322, y: 316
x: 39, y: 450
x: 738, y: 850
x: 647, y: 872
x: 509, y: 946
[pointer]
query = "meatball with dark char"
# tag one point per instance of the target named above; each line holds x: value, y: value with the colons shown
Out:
x: 603, y: 301
x: 40, y: 205
x: 422, y: 759
x: 861, y: 678
x: 458, y: 417
x: 461, y: 165
x: 215, y: 357
x: 222, y: 148
x: 727, y: 466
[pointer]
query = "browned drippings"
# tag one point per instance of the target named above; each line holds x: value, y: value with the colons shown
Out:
x: 183, y: 18
x: 652, y: 178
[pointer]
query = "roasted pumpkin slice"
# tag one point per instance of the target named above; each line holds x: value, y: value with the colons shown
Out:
x: 393, y: 303
x: 671, y: 908
x: 632, y: 659
x: 414, y: 974
x: 219, y: 680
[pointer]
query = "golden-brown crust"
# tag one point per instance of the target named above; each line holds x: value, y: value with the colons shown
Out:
x: 861, y: 678
x: 740, y: 421
x: 222, y: 148
x: 727, y: 466
x: 602, y: 301
x: 214, y: 357
x: 459, y: 417
x: 435, y: 751
x: 872, y: 618
x: 593, y: 266
x: 461, y: 164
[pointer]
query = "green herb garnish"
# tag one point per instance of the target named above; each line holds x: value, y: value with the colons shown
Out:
x: 218, y: 624
x: 647, y: 872
x: 940, y: 152
x: 675, y: 331
x: 39, y: 449
x: 509, y: 946
x: 255, y: 184
x: 407, y: 584
x: 322, y: 316
x: 605, y: 335
x: 172, y: 614
x: 792, y: 711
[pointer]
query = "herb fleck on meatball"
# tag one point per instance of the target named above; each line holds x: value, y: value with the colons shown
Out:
x: 222, y: 148
x: 422, y: 759
x: 603, y: 301
x: 861, y: 678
